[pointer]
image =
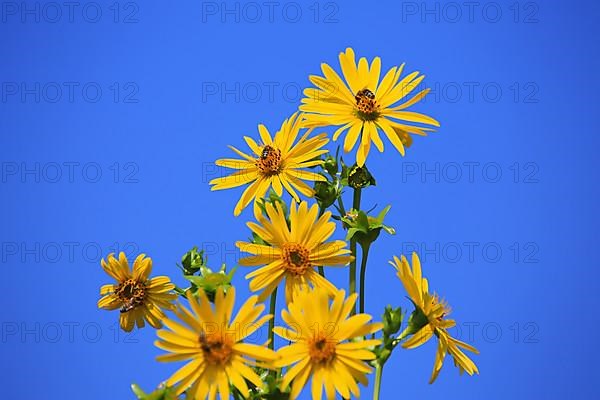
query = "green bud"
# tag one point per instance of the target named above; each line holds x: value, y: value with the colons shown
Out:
x: 392, y: 320
x: 359, y: 177
x: 326, y: 193
x: 192, y: 261
x: 330, y: 165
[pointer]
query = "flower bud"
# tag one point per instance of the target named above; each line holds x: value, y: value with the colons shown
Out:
x: 392, y: 320
x: 330, y: 165
x: 192, y: 261
x: 326, y: 193
x: 360, y: 177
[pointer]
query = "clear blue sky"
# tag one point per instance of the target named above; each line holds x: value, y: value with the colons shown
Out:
x: 112, y: 113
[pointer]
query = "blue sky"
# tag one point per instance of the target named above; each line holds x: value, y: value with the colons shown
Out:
x: 111, y: 115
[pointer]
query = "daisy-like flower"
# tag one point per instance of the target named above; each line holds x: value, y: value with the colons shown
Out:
x: 278, y: 162
x: 139, y: 297
x: 293, y: 252
x: 212, y: 343
x: 363, y: 105
x: 323, y: 346
x: 436, y: 310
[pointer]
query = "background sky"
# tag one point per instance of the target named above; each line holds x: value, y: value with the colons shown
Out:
x: 111, y: 114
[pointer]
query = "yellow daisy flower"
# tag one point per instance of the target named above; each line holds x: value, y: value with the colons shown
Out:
x: 363, y: 105
x: 139, y: 297
x: 323, y: 345
x: 436, y: 311
x: 275, y: 162
x: 213, y: 345
x: 294, y: 251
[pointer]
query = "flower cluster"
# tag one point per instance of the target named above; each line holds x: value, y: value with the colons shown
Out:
x: 327, y: 346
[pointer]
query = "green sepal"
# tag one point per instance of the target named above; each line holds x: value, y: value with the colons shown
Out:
x: 417, y: 321
x: 162, y: 393
x: 210, y: 281
x: 365, y: 229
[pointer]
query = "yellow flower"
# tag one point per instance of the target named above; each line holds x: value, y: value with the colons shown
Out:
x: 213, y: 345
x: 323, y: 345
x: 363, y: 105
x: 139, y: 297
x: 294, y: 251
x: 436, y: 310
x: 275, y: 162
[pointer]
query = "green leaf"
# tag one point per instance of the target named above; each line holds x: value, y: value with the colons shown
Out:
x: 139, y: 393
x: 383, y: 213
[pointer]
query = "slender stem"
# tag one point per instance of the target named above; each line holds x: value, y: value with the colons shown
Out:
x: 363, y: 271
x: 321, y: 211
x: 352, y: 271
x: 378, y: 374
x: 272, y: 320
x: 341, y: 206
x: 356, y: 199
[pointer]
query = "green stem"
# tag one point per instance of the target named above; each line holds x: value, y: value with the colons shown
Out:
x: 272, y: 320
x: 341, y: 206
x: 363, y: 271
x: 352, y: 272
x: 180, y: 291
x: 378, y: 373
x: 356, y: 199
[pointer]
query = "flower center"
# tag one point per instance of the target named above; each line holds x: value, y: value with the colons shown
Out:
x: 296, y: 258
x: 269, y: 162
x: 321, y: 350
x: 131, y: 293
x: 217, y: 349
x: 367, y: 108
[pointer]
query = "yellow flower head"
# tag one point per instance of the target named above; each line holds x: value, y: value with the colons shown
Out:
x: 363, y: 105
x: 323, y: 345
x: 437, y: 311
x: 294, y: 252
x: 213, y: 345
x: 139, y: 297
x: 278, y: 162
